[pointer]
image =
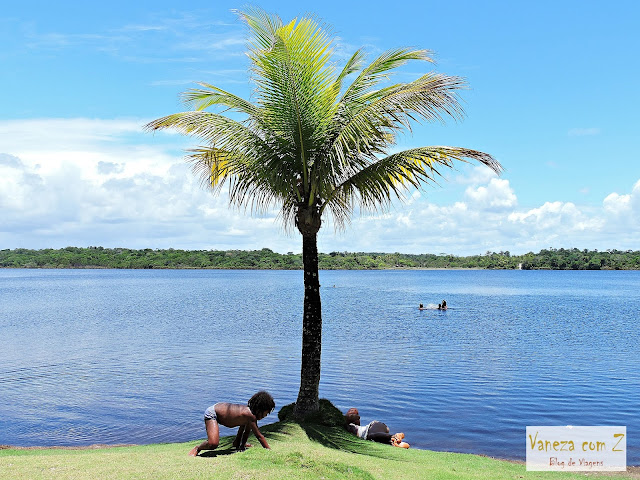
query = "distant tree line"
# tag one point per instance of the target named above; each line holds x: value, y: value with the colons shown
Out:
x: 265, y: 259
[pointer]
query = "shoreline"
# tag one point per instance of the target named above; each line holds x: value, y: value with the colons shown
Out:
x: 95, y: 446
x: 257, y: 269
x: 632, y: 469
x: 387, y: 269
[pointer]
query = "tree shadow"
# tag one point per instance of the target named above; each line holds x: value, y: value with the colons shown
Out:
x: 326, y: 427
x: 339, y: 439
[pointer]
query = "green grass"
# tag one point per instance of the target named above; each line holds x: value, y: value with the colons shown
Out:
x: 298, y: 452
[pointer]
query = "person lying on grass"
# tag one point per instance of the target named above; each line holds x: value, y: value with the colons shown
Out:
x: 245, y: 417
x: 376, y: 431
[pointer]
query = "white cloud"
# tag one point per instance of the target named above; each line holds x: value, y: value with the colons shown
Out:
x: 475, y: 225
x: 10, y: 161
x: 105, y: 182
x: 617, y: 204
x: 496, y: 195
x: 106, y: 168
x: 626, y: 203
x: 478, y: 175
x: 555, y: 219
x: 86, y: 182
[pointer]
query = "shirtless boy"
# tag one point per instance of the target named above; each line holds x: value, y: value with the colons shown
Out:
x: 245, y: 417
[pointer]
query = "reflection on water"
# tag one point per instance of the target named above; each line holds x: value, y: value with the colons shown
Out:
x: 107, y: 356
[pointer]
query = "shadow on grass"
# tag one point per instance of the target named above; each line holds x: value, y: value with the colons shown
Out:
x: 326, y: 427
x: 217, y: 452
x: 339, y: 439
x: 225, y: 448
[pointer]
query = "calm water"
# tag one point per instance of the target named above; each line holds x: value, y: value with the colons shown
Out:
x: 112, y: 356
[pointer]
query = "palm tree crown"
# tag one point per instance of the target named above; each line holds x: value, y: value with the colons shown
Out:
x: 317, y: 138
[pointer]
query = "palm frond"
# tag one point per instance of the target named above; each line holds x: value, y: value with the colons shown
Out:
x: 251, y: 183
x: 216, y: 129
x: 353, y: 65
x: 389, y: 178
x: 370, y: 120
x: 263, y: 26
x: 380, y: 69
x: 209, y: 95
x: 212, y: 165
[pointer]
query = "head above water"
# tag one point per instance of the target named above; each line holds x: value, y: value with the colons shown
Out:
x: 261, y: 402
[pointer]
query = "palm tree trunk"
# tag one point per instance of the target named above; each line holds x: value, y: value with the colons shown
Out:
x: 311, y: 329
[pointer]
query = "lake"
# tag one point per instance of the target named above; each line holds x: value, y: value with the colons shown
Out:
x: 136, y: 356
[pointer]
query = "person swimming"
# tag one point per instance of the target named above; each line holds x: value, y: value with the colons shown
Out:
x: 443, y: 305
x: 432, y: 306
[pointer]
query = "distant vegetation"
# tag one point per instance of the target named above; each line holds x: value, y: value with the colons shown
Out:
x: 99, y: 257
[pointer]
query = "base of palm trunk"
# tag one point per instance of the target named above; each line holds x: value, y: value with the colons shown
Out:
x: 304, y: 408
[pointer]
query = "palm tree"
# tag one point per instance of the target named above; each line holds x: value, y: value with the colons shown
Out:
x: 316, y: 141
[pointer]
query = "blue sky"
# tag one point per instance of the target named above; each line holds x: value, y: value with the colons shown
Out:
x: 553, y: 96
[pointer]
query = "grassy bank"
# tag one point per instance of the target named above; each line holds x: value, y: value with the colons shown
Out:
x: 310, y: 452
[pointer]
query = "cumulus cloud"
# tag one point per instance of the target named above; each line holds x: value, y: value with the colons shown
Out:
x: 64, y: 206
x: 555, y: 222
x: 477, y: 175
x: 489, y: 218
x: 106, y: 168
x: 10, y: 161
x: 104, y: 182
x: 85, y: 182
x: 624, y: 205
x: 497, y: 194
x: 616, y: 204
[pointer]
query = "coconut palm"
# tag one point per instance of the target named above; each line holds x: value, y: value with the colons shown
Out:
x: 315, y: 143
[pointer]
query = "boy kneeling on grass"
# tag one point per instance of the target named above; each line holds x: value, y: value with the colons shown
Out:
x: 245, y: 417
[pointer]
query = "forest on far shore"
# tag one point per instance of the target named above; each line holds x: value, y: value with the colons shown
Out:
x: 265, y: 259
